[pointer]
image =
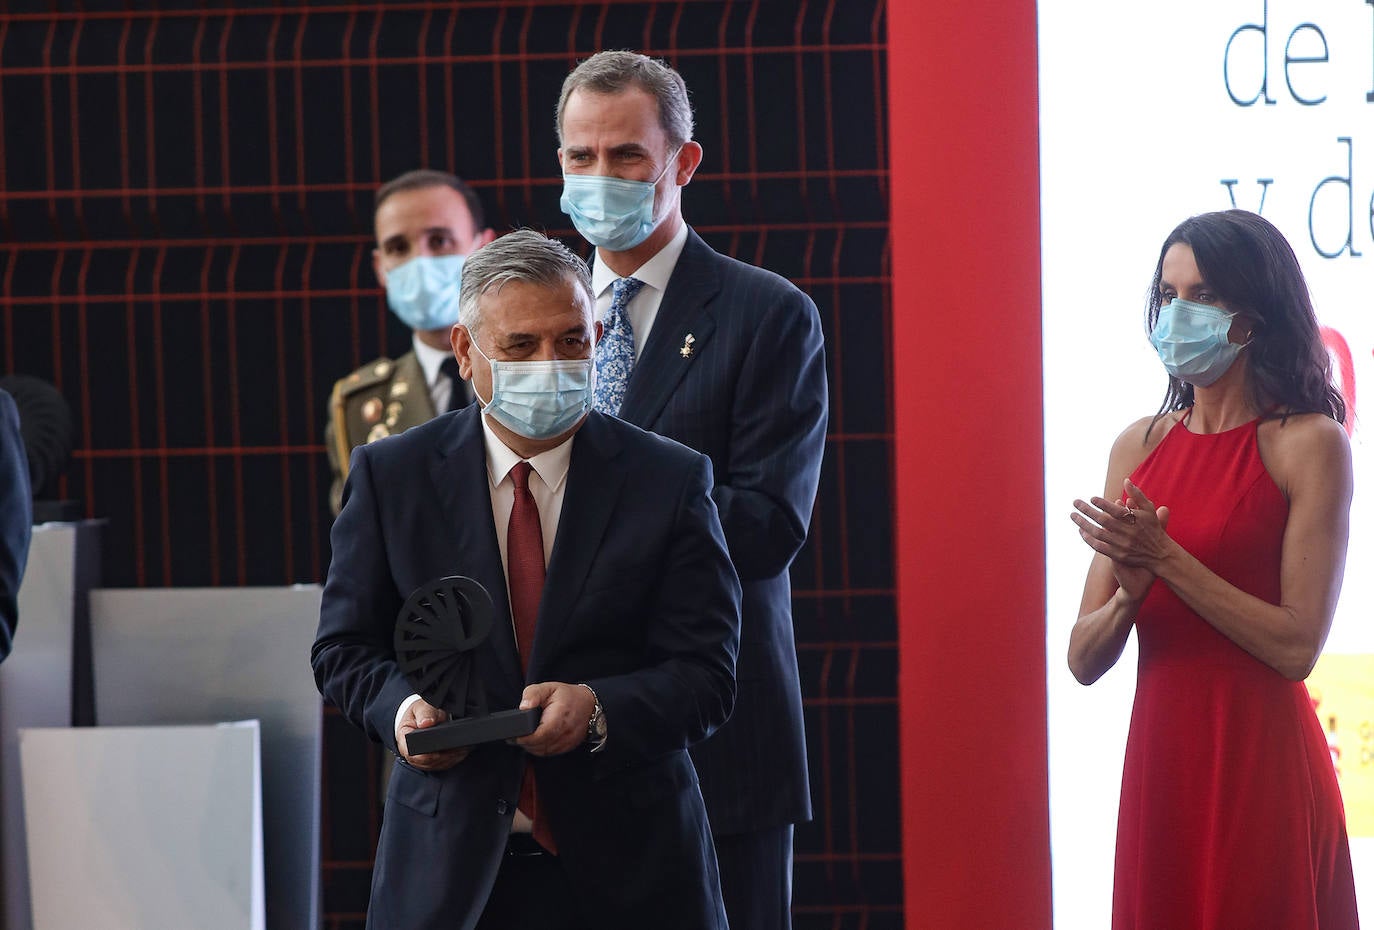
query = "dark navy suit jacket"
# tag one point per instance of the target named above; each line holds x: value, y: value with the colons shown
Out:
x: 16, y: 517
x: 640, y: 602
x: 751, y: 394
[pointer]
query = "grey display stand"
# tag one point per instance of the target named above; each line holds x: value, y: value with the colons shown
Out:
x: 209, y: 655
x: 143, y: 828
x: 45, y: 682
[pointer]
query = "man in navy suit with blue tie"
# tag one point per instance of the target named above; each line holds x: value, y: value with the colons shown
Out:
x: 617, y: 615
x: 728, y: 359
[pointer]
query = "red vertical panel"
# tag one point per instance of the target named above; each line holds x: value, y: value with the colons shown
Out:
x: 968, y: 448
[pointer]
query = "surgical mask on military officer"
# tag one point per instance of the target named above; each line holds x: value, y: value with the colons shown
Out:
x: 538, y: 400
x: 611, y: 213
x: 423, y: 292
x: 1192, y: 341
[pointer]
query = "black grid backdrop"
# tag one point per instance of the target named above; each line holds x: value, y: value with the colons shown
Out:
x: 184, y: 212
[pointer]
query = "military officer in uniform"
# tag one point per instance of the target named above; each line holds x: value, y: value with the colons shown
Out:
x: 426, y: 223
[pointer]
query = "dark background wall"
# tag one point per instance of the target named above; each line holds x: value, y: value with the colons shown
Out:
x: 184, y: 251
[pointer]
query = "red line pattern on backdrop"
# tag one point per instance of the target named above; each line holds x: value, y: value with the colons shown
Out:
x: 185, y: 198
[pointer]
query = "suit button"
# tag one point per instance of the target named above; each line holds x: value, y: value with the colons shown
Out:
x: 502, y: 806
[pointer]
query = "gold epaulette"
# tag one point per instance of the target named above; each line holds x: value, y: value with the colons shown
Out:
x: 370, y: 375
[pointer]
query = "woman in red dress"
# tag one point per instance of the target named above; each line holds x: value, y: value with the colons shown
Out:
x: 1221, y: 538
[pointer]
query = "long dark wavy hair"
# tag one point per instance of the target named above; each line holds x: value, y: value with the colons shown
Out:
x: 1251, y: 268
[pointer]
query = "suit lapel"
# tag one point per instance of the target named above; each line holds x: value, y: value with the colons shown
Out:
x: 684, y: 311
x: 595, y: 475
x: 459, y: 472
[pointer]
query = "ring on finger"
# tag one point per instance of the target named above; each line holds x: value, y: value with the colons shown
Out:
x: 1128, y: 516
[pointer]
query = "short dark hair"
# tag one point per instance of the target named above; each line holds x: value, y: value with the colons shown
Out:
x: 421, y: 178
x: 613, y: 72
x: 1252, y: 269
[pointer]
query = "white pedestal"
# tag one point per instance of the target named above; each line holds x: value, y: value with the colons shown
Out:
x: 144, y: 828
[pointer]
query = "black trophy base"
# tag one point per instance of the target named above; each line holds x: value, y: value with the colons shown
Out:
x: 469, y: 731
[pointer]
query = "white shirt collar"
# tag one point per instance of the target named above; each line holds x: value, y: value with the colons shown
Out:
x: 430, y: 359
x: 655, y: 272
x: 551, y: 465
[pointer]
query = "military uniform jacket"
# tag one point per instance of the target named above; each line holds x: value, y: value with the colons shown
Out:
x: 382, y: 398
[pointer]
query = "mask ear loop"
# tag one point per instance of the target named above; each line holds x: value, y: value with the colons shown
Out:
x: 668, y: 164
x: 490, y: 364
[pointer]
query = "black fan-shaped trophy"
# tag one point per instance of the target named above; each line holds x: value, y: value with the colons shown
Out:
x: 438, y: 631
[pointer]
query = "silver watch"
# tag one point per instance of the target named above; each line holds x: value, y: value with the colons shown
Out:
x: 596, y: 724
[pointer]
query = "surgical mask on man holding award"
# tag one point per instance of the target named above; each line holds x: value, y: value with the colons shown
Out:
x: 538, y: 400
x: 611, y: 213
x: 423, y: 292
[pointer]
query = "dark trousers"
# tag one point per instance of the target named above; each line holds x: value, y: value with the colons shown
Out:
x: 532, y: 892
x: 756, y: 878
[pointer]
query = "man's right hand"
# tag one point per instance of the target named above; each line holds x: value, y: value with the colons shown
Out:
x: 418, y: 716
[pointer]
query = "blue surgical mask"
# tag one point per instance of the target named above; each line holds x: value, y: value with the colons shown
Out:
x: 423, y: 292
x: 611, y: 213
x: 1192, y: 342
x: 538, y: 400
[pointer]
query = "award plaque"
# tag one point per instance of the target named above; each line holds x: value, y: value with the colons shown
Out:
x: 438, y: 631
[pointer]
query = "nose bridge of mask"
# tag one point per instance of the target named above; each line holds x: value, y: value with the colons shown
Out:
x: 612, y: 189
x: 601, y: 197
x: 1184, y: 320
x: 515, y: 377
x: 426, y: 271
x: 1212, y: 314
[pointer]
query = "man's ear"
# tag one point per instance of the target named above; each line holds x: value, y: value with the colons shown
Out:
x: 688, y: 161
x: 460, y: 340
x: 483, y: 238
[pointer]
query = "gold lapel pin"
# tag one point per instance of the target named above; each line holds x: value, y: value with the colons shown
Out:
x: 686, y: 350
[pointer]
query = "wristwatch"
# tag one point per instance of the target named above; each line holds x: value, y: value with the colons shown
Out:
x: 596, y: 725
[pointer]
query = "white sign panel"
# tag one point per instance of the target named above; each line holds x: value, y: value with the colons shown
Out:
x: 144, y: 828
x: 1150, y: 114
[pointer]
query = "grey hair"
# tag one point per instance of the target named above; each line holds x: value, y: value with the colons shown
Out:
x: 523, y: 255
x: 616, y: 71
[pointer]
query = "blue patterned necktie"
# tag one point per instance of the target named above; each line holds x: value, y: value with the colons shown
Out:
x: 615, y: 353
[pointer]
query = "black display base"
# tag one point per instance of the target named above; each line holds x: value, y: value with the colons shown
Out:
x: 469, y: 731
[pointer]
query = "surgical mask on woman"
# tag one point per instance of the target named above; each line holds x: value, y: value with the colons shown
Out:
x: 423, y: 292
x: 1192, y: 341
x: 538, y: 400
x: 611, y: 213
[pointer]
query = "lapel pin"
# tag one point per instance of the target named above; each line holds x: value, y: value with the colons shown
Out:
x: 686, y: 350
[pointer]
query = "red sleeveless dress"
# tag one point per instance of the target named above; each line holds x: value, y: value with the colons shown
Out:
x: 1231, y: 818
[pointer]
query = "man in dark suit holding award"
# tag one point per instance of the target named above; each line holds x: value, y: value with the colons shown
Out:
x: 728, y: 359
x: 617, y: 614
x: 16, y: 516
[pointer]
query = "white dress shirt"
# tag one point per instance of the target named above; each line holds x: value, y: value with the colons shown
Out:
x: 440, y: 385
x: 643, y: 308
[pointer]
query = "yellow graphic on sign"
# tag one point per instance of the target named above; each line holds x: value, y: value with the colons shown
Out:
x: 1342, y: 690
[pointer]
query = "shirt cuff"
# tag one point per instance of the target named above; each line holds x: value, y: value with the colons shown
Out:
x: 396, y: 727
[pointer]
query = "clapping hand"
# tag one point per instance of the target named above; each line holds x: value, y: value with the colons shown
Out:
x: 1130, y: 532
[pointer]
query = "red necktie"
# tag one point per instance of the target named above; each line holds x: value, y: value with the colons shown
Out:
x: 525, y: 573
